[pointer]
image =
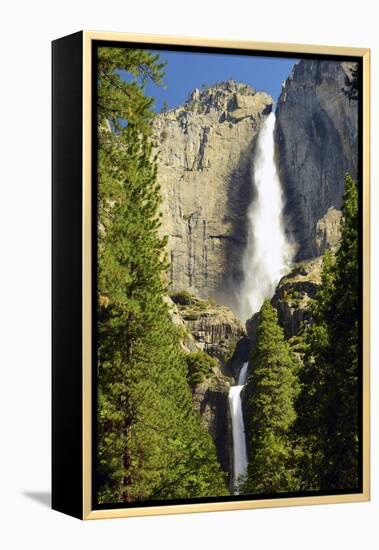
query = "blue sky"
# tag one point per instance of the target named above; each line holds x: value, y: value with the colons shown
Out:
x: 186, y: 71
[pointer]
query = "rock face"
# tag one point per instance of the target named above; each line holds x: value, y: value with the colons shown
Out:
x: 293, y: 295
x: 210, y: 398
x: 317, y: 143
x: 292, y: 298
x: 205, y: 151
x: 328, y: 232
x: 214, y: 328
x: 188, y: 342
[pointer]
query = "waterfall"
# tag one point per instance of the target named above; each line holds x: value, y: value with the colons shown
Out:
x: 238, y: 428
x: 266, y: 259
x: 268, y: 252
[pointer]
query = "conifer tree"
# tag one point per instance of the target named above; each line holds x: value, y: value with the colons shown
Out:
x: 328, y: 405
x: 272, y: 387
x: 151, y: 442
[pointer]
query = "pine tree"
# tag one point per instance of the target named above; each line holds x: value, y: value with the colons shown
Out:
x: 151, y: 442
x: 328, y: 405
x: 272, y: 388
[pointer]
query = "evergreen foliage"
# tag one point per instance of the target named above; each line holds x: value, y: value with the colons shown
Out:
x: 199, y: 365
x: 183, y: 298
x: 151, y: 442
x: 328, y: 405
x: 272, y: 387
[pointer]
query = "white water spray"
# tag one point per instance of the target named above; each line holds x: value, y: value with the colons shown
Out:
x: 268, y: 253
x: 238, y: 428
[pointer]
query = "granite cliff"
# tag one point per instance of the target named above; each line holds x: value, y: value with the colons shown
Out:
x: 205, y: 152
x: 317, y: 143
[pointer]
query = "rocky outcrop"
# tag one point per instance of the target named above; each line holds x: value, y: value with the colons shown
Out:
x: 205, y: 151
x: 214, y: 328
x: 240, y: 356
x: 293, y: 296
x: 317, y: 143
x: 328, y: 232
x: 187, y: 342
x: 211, y: 400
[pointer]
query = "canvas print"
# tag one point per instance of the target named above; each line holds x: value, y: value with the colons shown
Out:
x: 227, y: 356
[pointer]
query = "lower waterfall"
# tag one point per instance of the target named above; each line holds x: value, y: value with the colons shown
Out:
x: 238, y: 429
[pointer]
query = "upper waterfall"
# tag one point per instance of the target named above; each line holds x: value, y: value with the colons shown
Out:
x: 268, y: 252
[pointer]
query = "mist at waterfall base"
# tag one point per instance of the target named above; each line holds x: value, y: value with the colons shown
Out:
x: 266, y: 260
x: 268, y: 253
x: 238, y: 429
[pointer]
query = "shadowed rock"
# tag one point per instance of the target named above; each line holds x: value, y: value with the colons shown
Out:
x: 317, y: 143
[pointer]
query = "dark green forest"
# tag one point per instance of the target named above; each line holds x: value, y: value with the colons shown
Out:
x: 274, y: 388
x: 327, y: 424
x: 303, y: 409
x: 151, y: 443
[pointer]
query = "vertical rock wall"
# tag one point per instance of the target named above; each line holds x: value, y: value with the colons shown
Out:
x: 317, y: 143
x: 205, y: 151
